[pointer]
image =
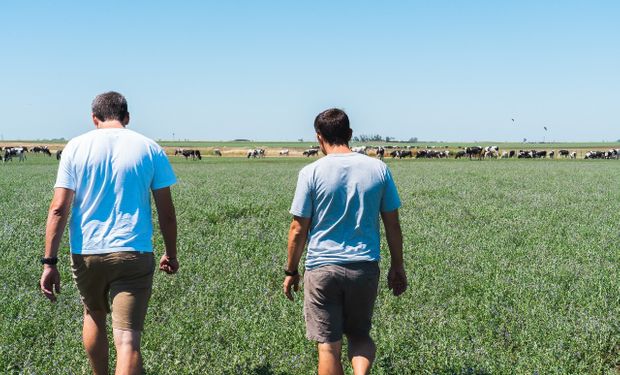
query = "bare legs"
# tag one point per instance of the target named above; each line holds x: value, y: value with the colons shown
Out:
x: 94, y: 335
x: 96, y: 341
x: 361, y: 354
x: 129, y: 359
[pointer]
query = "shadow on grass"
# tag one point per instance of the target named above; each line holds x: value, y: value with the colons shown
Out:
x: 266, y: 370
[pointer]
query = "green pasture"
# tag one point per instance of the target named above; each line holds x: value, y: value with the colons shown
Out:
x: 513, y: 268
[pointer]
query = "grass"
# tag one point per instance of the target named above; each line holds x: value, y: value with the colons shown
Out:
x: 513, y: 268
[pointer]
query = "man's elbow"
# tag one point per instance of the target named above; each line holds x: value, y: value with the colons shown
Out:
x: 58, y: 210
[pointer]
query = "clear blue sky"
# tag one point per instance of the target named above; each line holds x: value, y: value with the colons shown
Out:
x: 218, y: 70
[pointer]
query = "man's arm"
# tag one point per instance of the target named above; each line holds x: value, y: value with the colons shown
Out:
x: 168, y: 225
x: 56, y: 222
x: 297, y: 236
x: 397, y: 278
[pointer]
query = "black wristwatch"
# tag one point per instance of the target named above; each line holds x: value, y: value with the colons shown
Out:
x: 291, y: 273
x: 50, y: 261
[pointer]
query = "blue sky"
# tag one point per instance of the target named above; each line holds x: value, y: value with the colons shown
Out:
x: 207, y: 70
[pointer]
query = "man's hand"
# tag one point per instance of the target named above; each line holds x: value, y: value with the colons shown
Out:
x: 168, y: 265
x: 397, y: 280
x: 291, y: 281
x: 50, y: 282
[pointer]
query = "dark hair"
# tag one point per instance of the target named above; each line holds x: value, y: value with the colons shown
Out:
x: 110, y: 106
x: 333, y: 126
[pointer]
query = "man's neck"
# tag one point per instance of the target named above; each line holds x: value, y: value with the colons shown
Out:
x: 336, y: 149
x: 110, y: 124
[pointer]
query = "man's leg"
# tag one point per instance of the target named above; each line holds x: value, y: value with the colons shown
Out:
x: 128, y: 357
x: 95, y: 340
x: 361, y: 354
x: 329, y: 358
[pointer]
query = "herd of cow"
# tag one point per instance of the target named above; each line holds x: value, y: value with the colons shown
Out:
x: 9, y: 152
x: 474, y: 152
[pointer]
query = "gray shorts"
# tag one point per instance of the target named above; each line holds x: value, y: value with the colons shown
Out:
x: 340, y: 299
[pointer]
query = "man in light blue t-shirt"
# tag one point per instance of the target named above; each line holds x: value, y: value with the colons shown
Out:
x: 336, y: 209
x: 108, y: 176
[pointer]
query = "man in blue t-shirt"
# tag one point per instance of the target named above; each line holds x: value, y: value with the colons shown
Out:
x: 336, y: 209
x: 108, y: 175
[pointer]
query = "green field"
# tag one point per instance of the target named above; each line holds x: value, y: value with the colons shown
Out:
x: 513, y: 269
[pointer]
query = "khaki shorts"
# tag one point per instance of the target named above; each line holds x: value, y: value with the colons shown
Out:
x: 340, y: 299
x: 125, y: 278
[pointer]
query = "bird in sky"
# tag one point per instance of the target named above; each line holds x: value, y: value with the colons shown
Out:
x: 545, y: 128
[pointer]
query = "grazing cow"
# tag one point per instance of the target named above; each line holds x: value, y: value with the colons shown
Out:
x: 540, y: 154
x: 380, y: 152
x: 573, y: 155
x: 474, y: 151
x: 551, y: 154
x: 404, y: 154
x: 284, y: 152
x: 194, y: 154
x: 10, y: 152
x: 58, y: 154
x: 505, y: 155
x: 41, y: 149
x: 360, y: 149
x: 217, y: 152
x: 256, y: 153
x: 460, y: 154
x: 564, y: 153
x: 311, y: 152
x: 594, y: 155
x: 512, y: 154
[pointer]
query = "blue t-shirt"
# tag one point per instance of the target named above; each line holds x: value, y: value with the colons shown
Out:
x: 344, y: 195
x: 112, y: 172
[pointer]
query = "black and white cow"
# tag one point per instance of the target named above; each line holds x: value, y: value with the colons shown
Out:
x: 474, y: 151
x: 311, y: 152
x: 217, y: 152
x: 564, y: 153
x: 380, y: 152
x: 194, y: 154
x: 58, y: 154
x: 460, y: 154
x: 10, y: 152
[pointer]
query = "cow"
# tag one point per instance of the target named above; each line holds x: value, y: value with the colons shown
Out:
x: 564, y: 153
x: 194, y: 154
x: 380, y: 152
x: 404, y: 154
x: 10, y: 152
x: 284, y: 152
x: 539, y: 154
x: 551, y: 154
x: 474, y: 151
x: 360, y: 149
x: 58, y: 154
x: 217, y: 152
x: 460, y: 154
x: 311, y: 152
x: 256, y: 153
x: 573, y: 155
x: 505, y: 155
x: 41, y: 149
x: 512, y: 154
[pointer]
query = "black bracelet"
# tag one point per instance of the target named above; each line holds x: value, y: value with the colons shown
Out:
x: 49, y: 261
x: 291, y: 273
x: 171, y: 258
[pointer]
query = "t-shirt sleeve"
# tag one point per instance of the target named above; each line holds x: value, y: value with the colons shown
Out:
x: 66, y: 174
x: 302, y: 202
x: 163, y: 175
x: 390, y: 200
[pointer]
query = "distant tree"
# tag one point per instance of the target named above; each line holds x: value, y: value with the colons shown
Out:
x: 413, y: 140
x: 356, y: 139
x: 300, y: 139
x: 524, y: 140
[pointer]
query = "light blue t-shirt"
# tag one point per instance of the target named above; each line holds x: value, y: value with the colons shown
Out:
x: 344, y: 195
x: 112, y: 172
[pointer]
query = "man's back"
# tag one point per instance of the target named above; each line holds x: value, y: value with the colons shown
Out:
x: 112, y: 172
x: 344, y: 194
